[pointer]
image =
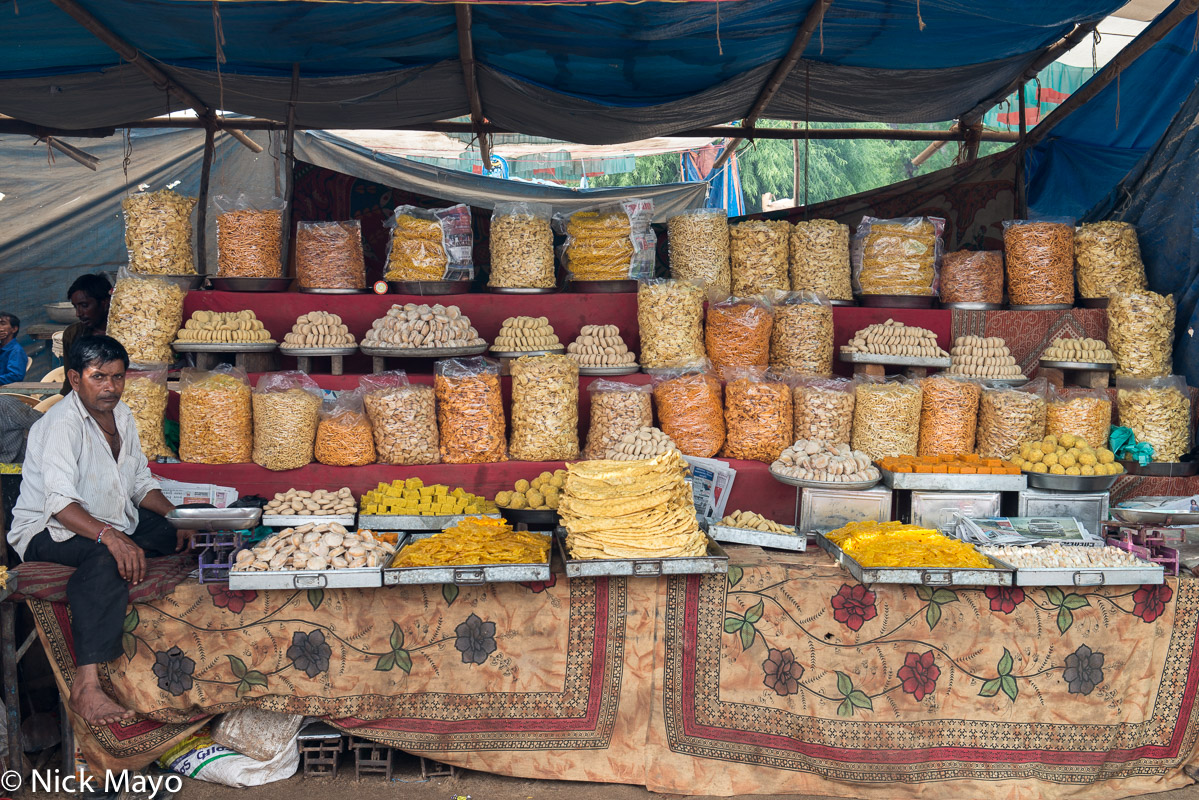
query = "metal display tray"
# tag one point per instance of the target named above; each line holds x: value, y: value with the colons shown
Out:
x: 1042, y: 307
x: 603, y: 287
x: 898, y: 361
x: 522, y: 289
x: 716, y: 562
x: 1155, y: 516
x: 1079, y: 366
x: 466, y: 575
x: 1071, y: 483
x: 623, y: 369
x: 1002, y: 575
x: 429, y: 288
x: 807, y: 484
x: 972, y: 306
x: 296, y: 520
x: 214, y: 519
x: 1162, y: 469
x: 549, y: 351
x: 1150, y: 573
x: 938, y: 482
x: 413, y: 522
x: 775, y: 541
x: 340, y: 290
x: 530, y: 516
x: 319, y: 351
x: 423, y: 352
x: 349, y: 578
x: 224, y: 347
x: 249, y: 284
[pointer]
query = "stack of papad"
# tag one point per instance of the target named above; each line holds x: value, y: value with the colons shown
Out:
x: 630, y: 509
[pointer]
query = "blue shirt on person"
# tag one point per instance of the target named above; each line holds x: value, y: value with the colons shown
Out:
x: 12, y: 363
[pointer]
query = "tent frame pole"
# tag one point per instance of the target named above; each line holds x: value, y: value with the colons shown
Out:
x: 466, y: 56
x: 202, y: 195
x: 1021, y: 199
x: 289, y: 163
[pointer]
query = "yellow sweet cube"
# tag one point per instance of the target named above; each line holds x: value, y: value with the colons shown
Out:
x: 426, y: 491
x: 414, y: 483
x: 472, y: 509
x: 459, y: 492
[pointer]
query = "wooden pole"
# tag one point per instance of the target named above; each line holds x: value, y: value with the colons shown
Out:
x: 74, y: 153
x: 290, y: 165
x: 202, y: 197
x: 466, y: 56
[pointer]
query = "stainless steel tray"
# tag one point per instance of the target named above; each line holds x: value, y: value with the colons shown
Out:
x: 623, y: 369
x: 1002, y: 575
x: 530, y: 516
x: 898, y: 361
x: 552, y: 351
x: 350, y: 578
x: 295, y: 520
x: 412, y: 522
x: 224, y: 347
x: 1162, y: 469
x: 716, y: 562
x: 521, y: 290
x: 249, y: 284
x: 319, y: 351
x: 214, y: 519
x: 775, y: 541
x: 1005, y: 381
x: 973, y: 306
x: 1082, y: 366
x: 1071, y: 483
x: 1042, y: 307
x: 426, y: 288
x: 936, y: 482
x: 806, y: 484
x: 1150, y: 573
x: 187, y: 282
x: 466, y: 575
x: 603, y: 287
x: 318, y: 290
x: 423, y: 352
x: 1154, y: 516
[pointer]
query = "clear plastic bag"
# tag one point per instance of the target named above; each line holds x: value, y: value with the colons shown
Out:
x: 886, y: 417
x: 545, y: 409
x: 1040, y: 261
x: 616, y: 409
x: 144, y: 316
x: 758, y: 254
x: 146, y: 395
x: 1085, y: 413
x: 1158, y: 410
x: 158, y: 233
x: 249, y: 237
x: 670, y: 316
x: 522, y: 246
x: 948, y: 416
x: 430, y: 244
x: 969, y: 276
x: 690, y: 410
x: 1107, y: 258
x: 611, y: 241
x: 344, y: 437
x: 403, y: 418
x: 801, y: 338
x: 1140, y: 333
x: 897, y: 256
x: 699, y: 247
x: 287, y: 409
x: 470, y: 411
x: 819, y: 258
x: 737, y: 332
x: 824, y: 409
x: 329, y: 255
x: 758, y: 416
x: 215, y: 416
x: 1009, y: 417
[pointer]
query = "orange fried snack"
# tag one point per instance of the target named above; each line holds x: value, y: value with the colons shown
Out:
x: 475, y: 540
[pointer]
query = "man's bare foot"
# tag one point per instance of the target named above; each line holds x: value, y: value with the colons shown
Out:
x: 89, y: 701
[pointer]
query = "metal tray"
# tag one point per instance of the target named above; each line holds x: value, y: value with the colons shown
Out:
x: 250, y: 284
x: 1150, y: 573
x: 552, y: 351
x: 1139, y: 516
x: 425, y: 288
x: 224, y: 347
x: 898, y: 361
x: 716, y: 562
x: 188, y: 282
x: 897, y: 300
x: 423, y: 352
x: 936, y: 482
x: 214, y: 519
x: 623, y: 369
x: 1002, y: 575
x: 530, y: 516
x: 973, y: 306
x: 521, y: 290
x: 845, y: 303
x: 316, y: 290
x: 1093, y: 302
x: 1162, y: 469
x: 412, y: 522
x: 1042, y: 307
x: 296, y: 520
x: 1071, y: 483
x: 349, y: 578
x: 1005, y: 381
x: 466, y: 575
x: 805, y: 484
x: 775, y: 541
x: 319, y: 351
x: 603, y: 287
x: 1080, y: 366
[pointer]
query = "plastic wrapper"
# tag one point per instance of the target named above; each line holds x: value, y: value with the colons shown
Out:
x: 616, y: 409
x: 824, y: 409
x: 146, y: 395
x: 609, y: 242
x: 699, y: 247
x: 969, y: 276
x: 897, y: 256
x: 1085, y: 413
x: 158, y: 233
x: 801, y: 338
x: 144, y: 316
x: 737, y: 333
x: 287, y: 408
x: 1009, y: 417
x: 430, y: 244
x: 1107, y: 258
x: 1140, y: 332
x: 819, y: 257
x: 690, y: 411
x: 1158, y: 411
x: 758, y: 416
x: 403, y: 418
x: 886, y: 418
x: 329, y: 255
x: 522, y: 246
x: 249, y: 238
x: 215, y: 416
x: 545, y: 409
x: 758, y: 256
x: 470, y: 411
x: 670, y: 316
x: 1040, y: 261
x: 344, y: 437
x: 948, y: 416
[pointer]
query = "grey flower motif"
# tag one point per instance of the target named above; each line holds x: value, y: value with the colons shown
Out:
x: 1084, y: 670
x: 174, y: 671
x: 475, y: 640
x: 309, y: 653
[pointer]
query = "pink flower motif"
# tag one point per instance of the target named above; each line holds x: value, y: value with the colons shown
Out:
x: 782, y: 673
x: 1005, y: 598
x: 1149, y: 602
x: 536, y: 587
x: 235, y: 601
x: 853, y: 606
x: 919, y: 674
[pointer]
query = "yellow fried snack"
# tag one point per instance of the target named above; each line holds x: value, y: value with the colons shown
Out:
x: 895, y: 544
x: 475, y: 540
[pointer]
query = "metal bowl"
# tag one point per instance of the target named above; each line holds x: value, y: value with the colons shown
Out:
x: 897, y: 300
x: 1070, y: 483
x: 250, y: 284
x: 429, y: 288
x: 62, y: 313
x: 1163, y: 469
x: 603, y: 287
x: 530, y: 516
x: 214, y: 519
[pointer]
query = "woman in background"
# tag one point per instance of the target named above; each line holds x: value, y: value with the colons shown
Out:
x: 90, y: 294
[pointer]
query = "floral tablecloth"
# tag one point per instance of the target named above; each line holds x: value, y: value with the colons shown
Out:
x: 785, y: 676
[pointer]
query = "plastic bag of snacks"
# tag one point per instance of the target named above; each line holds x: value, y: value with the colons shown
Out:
x: 545, y: 409
x: 670, y: 315
x: 886, y: 417
x: 1140, y: 332
x: 146, y: 395
x: 969, y: 276
x: 1040, y: 261
x: 344, y: 437
x: 699, y: 247
x: 758, y: 416
x: 1107, y: 258
x: 249, y: 237
x: 737, y: 332
x: 215, y: 416
x: 1158, y: 410
x: 287, y: 407
x: 820, y: 259
x: 158, y: 233
x: 609, y: 242
x: 948, y: 416
x: 823, y: 409
x: 897, y: 256
x: 430, y: 244
x: 1008, y: 417
x: 801, y: 339
x: 616, y: 409
x: 329, y: 255
x: 403, y: 417
x: 522, y: 246
x: 690, y: 411
x: 1085, y: 413
x: 144, y: 316
x: 470, y: 411
x: 758, y: 254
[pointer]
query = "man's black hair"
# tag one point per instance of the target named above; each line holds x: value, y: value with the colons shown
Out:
x: 13, y: 319
x: 94, y: 351
x: 94, y: 286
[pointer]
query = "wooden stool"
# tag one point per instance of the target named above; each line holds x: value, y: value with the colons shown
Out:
x: 371, y: 758
x: 336, y: 365
x: 435, y: 769
x: 320, y: 750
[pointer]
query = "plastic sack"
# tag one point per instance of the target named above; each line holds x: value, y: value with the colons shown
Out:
x: 1107, y: 258
x: 698, y: 242
x: 215, y: 416
x: 344, y: 437
x: 1040, y: 261
x: 144, y: 315
x: 470, y: 410
x: 261, y: 735
x: 199, y: 757
x: 158, y: 233
x: 737, y: 332
x: 758, y: 416
x: 522, y: 246
x: 249, y: 237
x: 819, y: 257
x: 1126, y: 447
x: 616, y: 409
x: 758, y: 256
x: 969, y: 276
x: 1140, y: 333
x: 824, y: 409
x: 886, y: 417
x: 611, y: 241
x: 329, y: 255
x: 670, y: 316
x: 897, y: 256
x: 403, y: 417
x: 1157, y: 411
x: 948, y: 416
x: 430, y: 244
x: 801, y: 338
x: 690, y: 411
x: 287, y: 409
x: 1008, y: 417
x: 1085, y: 413
x: 146, y: 395
x: 545, y: 409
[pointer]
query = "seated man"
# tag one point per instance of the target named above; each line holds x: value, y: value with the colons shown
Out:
x: 88, y: 501
x: 12, y: 355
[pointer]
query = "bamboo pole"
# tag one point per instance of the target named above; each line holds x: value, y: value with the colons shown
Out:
x: 202, y: 197
x: 466, y: 56
x: 290, y: 164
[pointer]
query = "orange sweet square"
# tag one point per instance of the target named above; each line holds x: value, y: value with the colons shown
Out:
x: 970, y: 458
x: 969, y: 471
x: 984, y: 471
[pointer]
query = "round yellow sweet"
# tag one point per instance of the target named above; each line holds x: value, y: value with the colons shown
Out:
x: 1039, y: 468
x: 1067, y: 440
x: 1051, y: 441
x: 1080, y: 442
x: 1116, y: 468
x: 1087, y: 469
x: 1019, y: 462
x: 1106, y: 456
x: 536, y: 483
x: 1088, y: 460
x: 545, y: 476
x: 1057, y: 469
x: 1075, y: 451
x: 535, y: 498
x: 503, y: 498
x: 558, y: 481
x: 1067, y: 460
x: 1073, y: 471
x: 517, y: 501
x: 1050, y: 459
x: 1035, y: 456
x: 522, y: 486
